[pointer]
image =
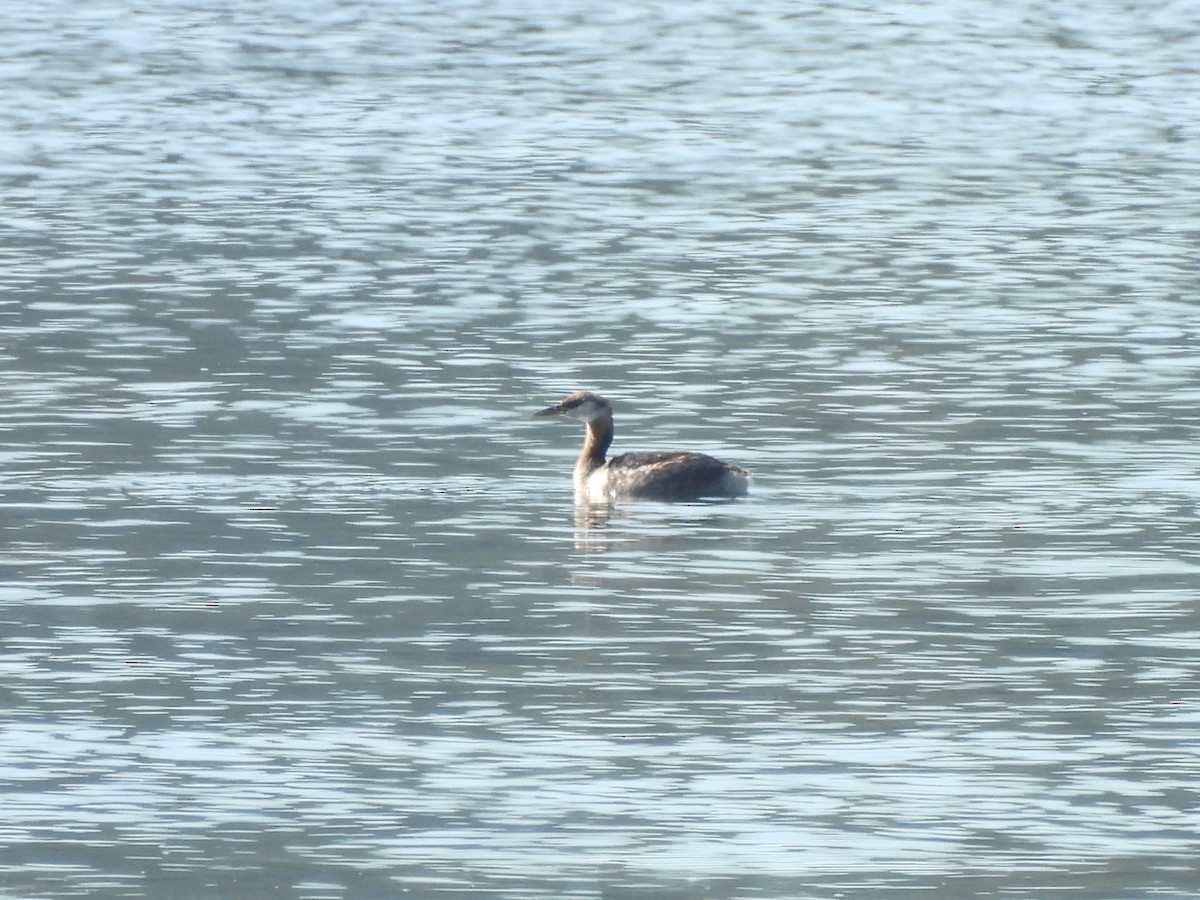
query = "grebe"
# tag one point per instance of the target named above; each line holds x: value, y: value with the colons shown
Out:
x: 671, y: 475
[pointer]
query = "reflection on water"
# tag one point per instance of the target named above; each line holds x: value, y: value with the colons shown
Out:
x: 296, y: 600
x: 646, y: 524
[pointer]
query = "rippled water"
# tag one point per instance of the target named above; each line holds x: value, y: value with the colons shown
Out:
x: 294, y: 599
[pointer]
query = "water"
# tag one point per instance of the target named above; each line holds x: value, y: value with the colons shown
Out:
x: 294, y: 599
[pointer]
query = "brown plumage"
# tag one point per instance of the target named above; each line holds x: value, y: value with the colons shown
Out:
x: 670, y: 475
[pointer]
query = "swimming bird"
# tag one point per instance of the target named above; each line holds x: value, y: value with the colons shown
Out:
x: 670, y: 475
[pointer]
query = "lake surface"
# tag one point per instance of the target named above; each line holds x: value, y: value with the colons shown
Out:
x: 294, y: 597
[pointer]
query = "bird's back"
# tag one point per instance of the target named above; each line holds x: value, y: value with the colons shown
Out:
x: 674, y: 475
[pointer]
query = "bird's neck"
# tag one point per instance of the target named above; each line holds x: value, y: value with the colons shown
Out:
x: 595, y: 445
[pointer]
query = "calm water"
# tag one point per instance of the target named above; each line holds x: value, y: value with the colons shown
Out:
x: 294, y: 600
